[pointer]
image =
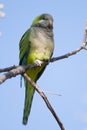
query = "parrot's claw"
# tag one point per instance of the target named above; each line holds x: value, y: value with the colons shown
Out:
x: 38, y: 62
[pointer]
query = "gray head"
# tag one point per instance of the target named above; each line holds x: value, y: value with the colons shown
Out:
x: 43, y: 20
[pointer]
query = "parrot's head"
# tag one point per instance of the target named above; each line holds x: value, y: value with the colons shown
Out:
x: 43, y: 20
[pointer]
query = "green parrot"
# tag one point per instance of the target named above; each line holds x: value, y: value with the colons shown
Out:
x: 36, y: 45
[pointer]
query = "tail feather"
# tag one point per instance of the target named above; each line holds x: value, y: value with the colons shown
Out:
x: 29, y: 92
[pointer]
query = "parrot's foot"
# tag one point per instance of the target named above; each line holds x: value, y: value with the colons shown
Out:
x: 38, y: 62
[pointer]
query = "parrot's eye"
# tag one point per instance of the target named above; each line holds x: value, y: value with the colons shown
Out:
x: 43, y: 18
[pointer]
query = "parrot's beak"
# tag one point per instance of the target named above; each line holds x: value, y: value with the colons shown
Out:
x: 50, y: 24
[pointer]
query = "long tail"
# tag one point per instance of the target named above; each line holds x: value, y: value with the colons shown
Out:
x: 29, y: 92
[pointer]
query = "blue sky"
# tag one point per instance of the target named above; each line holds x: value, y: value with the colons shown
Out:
x: 66, y: 77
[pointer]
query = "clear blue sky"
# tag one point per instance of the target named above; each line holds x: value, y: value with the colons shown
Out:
x: 67, y: 77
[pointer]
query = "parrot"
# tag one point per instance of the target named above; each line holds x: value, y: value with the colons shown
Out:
x: 35, y: 46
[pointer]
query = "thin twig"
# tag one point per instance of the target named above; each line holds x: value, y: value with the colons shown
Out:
x: 7, y: 69
x: 37, y: 88
x: 52, y: 93
x: 12, y: 73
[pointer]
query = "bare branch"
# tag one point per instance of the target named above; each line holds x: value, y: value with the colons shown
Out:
x: 12, y: 73
x: 67, y: 54
x: 7, y: 69
x: 16, y: 70
x: 37, y: 88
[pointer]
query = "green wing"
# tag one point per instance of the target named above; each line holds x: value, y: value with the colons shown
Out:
x: 24, y: 47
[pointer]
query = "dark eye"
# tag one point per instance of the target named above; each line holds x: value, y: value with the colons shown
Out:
x: 43, y: 18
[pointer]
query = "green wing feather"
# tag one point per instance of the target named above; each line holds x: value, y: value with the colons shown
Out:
x: 24, y: 47
x: 29, y: 91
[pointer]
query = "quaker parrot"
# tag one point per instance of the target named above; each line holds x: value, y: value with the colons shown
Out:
x: 36, y: 45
